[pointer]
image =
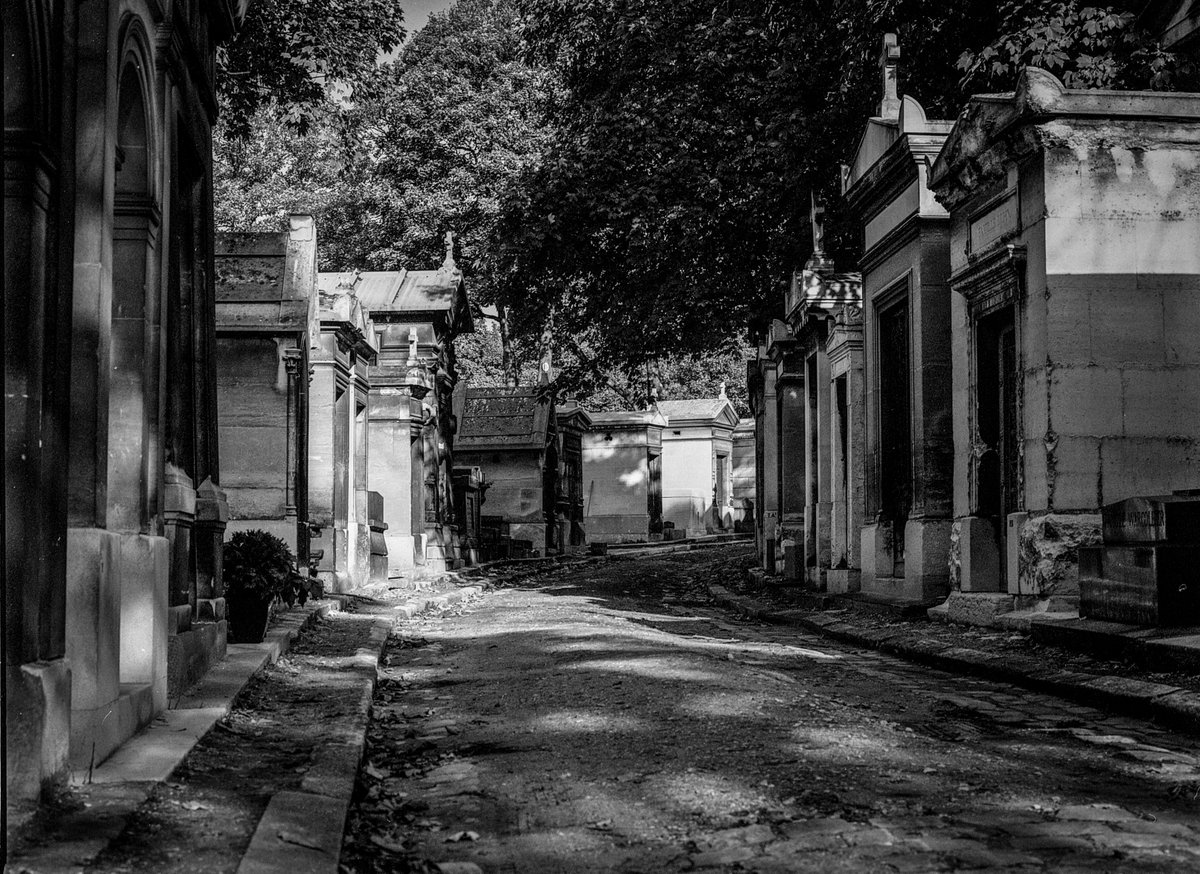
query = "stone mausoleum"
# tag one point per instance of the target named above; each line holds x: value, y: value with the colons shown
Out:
x: 417, y: 315
x: 1074, y: 317
x: 697, y: 464
x: 511, y: 435
x: 908, y: 443
x: 622, y: 476
x: 114, y: 515
x: 266, y: 323
x: 340, y: 360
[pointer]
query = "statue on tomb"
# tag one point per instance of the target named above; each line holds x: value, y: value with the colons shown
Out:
x: 889, y: 63
x: 449, y: 264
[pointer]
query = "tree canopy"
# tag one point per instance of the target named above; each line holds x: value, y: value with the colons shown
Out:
x: 639, y: 171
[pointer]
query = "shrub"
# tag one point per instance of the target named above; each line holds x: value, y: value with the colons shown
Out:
x: 259, y: 565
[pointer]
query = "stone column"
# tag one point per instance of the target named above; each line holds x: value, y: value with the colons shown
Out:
x: 179, y: 515
x: 793, y: 470
x: 390, y: 461
x: 212, y: 514
x: 823, y: 507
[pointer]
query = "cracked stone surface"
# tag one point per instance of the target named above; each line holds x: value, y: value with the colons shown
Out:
x: 606, y: 716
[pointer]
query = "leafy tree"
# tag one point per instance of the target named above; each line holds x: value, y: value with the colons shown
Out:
x: 1085, y: 46
x: 289, y: 56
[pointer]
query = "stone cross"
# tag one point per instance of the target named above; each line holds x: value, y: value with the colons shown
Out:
x: 889, y: 63
x: 817, y: 216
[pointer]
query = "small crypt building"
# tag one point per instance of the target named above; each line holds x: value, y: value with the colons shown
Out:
x: 114, y: 515
x: 417, y: 315
x: 511, y: 434
x: 622, y: 477
x: 908, y: 444
x: 1074, y: 317
x: 266, y: 323
x: 340, y: 358
x: 697, y: 464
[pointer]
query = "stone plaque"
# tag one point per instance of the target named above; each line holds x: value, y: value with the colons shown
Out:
x: 1171, y: 518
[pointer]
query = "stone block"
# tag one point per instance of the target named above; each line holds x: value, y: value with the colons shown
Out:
x: 792, y: 563
x: 145, y: 563
x: 1049, y: 550
x: 1073, y: 472
x: 1181, y: 326
x: 926, y: 554
x: 1012, y: 551
x: 977, y: 608
x: 37, y: 708
x: 1144, y: 585
x: 1126, y: 326
x: 1147, y: 466
x: 1161, y: 402
x: 1171, y: 518
x: 979, y: 555
x: 842, y: 581
x: 876, y: 552
x: 1086, y: 401
x: 93, y: 616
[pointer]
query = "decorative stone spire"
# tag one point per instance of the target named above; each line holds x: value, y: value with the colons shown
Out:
x: 412, y: 347
x: 889, y: 64
x: 547, y: 362
x: 819, y: 260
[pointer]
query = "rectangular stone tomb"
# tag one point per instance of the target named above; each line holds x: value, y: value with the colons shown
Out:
x: 1145, y: 585
x: 1173, y: 518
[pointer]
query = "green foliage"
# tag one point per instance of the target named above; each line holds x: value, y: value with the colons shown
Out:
x: 1085, y: 46
x: 258, y: 565
x: 295, y: 56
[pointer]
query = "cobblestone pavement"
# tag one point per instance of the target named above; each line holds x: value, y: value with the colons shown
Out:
x: 604, y: 716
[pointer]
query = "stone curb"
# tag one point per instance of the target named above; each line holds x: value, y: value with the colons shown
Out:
x: 301, y: 831
x: 418, y: 605
x: 1170, y: 705
x: 127, y: 778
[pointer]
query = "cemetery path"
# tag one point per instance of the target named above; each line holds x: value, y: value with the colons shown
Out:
x: 604, y: 716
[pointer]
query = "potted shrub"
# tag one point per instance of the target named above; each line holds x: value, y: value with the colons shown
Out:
x: 259, y: 567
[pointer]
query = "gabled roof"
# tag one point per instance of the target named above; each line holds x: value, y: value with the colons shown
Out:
x: 431, y: 293
x: 698, y: 411
x: 266, y: 281
x: 503, y: 418
x: 628, y: 419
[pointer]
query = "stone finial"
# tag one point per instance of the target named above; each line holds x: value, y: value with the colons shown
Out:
x: 722, y: 396
x: 544, y: 374
x: 817, y: 216
x: 412, y: 347
x: 889, y: 63
x: 449, y: 263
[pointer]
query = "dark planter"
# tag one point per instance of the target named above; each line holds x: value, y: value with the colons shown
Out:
x: 248, y: 619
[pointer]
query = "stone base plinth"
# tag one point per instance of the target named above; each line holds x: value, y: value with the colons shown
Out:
x: 926, y: 559
x: 1142, y: 585
x: 843, y: 582
x: 974, y: 608
x: 37, y: 710
x: 624, y: 528
x: 979, y: 555
x: 876, y: 552
x: 191, y: 653
x: 96, y: 734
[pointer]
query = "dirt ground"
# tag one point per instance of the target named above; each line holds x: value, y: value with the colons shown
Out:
x: 202, y: 820
x: 604, y: 716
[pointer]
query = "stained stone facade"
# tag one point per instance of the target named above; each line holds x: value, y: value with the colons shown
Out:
x: 1074, y: 320
x: 697, y: 464
x: 266, y: 323
x: 622, y: 477
x: 511, y: 434
x: 417, y: 314
x: 340, y: 359
x: 113, y: 510
x: 908, y: 445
